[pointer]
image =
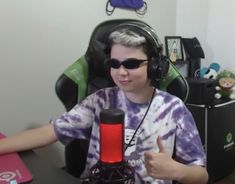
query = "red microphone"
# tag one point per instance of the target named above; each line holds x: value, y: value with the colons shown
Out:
x: 112, y: 167
x: 111, y: 136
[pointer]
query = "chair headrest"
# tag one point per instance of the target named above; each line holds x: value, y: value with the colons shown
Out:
x: 95, y: 54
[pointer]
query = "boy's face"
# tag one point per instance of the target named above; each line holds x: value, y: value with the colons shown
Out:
x: 129, y: 80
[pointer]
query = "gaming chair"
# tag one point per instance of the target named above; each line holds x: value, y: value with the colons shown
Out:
x: 88, y: 74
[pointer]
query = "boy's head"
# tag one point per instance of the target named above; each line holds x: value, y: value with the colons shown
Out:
x: 136, y: 35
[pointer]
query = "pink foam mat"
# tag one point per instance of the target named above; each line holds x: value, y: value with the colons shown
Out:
x: 13, y: 168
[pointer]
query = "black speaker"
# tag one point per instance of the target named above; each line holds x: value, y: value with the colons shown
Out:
x: 194, y: 53
x: 201, y: 91
x: 193, y: 48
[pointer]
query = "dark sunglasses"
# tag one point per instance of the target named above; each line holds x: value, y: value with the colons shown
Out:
x: 130, y: 63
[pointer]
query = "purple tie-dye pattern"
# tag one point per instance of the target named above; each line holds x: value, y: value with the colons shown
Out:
x: 166, y: 96
x: 188, y: 141
x: 133, y: 110
x: 75, y: 118
x: 114, y: 99
x: 178, y: 114
x: 94, y: 136
x: 167, y: 117
x: 146, y: 148
x: 65, y: 118
x: 94, y: 140
x: 86, y: 106
x: 168, y: 134
x: 134, y: 121
x: 99, y: 103
x: 101, y: 95
x: 135, y: 107
x: 97, y: 120
x: 145, y: 140
x: 168, y: 108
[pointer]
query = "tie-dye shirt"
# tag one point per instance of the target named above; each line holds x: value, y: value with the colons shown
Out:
x: 167, y: 117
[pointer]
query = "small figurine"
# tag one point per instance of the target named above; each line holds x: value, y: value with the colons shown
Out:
x: 210, y: 72
x: 226, y: 85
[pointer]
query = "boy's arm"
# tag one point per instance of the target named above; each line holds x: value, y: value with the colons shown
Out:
x: 191, y: 174
x: 160, y: 165
x: 29, y: 139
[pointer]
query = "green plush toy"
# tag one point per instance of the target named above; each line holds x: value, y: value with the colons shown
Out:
x: 226, y: 85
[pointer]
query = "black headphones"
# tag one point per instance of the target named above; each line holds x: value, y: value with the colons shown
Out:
x: 158, y: 63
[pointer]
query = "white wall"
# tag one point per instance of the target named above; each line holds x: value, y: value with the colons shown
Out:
x: 38, y: 40
x: 192, y: 21
x: 220, y: 34
x: 212, y: 22
x: 192, y: 18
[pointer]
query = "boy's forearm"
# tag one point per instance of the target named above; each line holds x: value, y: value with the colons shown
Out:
x: 191, y: 174
x: 28, y: 139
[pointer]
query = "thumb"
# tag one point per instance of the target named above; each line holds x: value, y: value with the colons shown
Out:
x: 160, y: 145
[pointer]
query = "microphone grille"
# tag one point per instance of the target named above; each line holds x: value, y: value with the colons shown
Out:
x: 112, y: 116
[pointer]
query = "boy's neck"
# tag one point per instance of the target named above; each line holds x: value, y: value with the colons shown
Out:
x: 141, y: 96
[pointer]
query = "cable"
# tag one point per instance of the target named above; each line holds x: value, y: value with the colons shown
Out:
x: 151, y: 100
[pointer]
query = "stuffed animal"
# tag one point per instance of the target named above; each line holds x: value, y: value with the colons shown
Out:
x: 210, y: 72
x: 226, y: 85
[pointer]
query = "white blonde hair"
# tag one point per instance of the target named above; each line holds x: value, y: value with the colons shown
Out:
x: 127, y: 38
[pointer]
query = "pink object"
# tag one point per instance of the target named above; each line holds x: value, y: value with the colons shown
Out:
x: 12, y: 167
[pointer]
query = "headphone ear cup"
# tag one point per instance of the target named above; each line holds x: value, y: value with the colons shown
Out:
x: 157, y: 68
x: 107, y: 67
x: 165, y: 66
x: 153, y: 67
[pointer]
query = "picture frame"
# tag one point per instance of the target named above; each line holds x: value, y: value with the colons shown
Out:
x: 174, y: 49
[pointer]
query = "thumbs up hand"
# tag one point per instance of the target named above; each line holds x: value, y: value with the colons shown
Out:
x: 159, y: 164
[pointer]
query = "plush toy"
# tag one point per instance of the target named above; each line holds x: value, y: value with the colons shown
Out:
x: 226, y: 85
x: 210, y: 72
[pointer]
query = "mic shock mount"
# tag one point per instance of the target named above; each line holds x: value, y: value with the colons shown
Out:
x: 119, y: 173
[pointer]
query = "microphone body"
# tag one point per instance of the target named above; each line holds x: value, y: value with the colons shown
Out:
x: 111, y: 167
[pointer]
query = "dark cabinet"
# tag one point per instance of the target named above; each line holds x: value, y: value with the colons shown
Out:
x: 216, y: 125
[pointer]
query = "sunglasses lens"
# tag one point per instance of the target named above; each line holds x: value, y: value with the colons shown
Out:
x: 131, y: 63
x: 114, y: 63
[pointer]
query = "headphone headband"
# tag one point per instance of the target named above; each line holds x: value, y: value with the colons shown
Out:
x: 147, y: 31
